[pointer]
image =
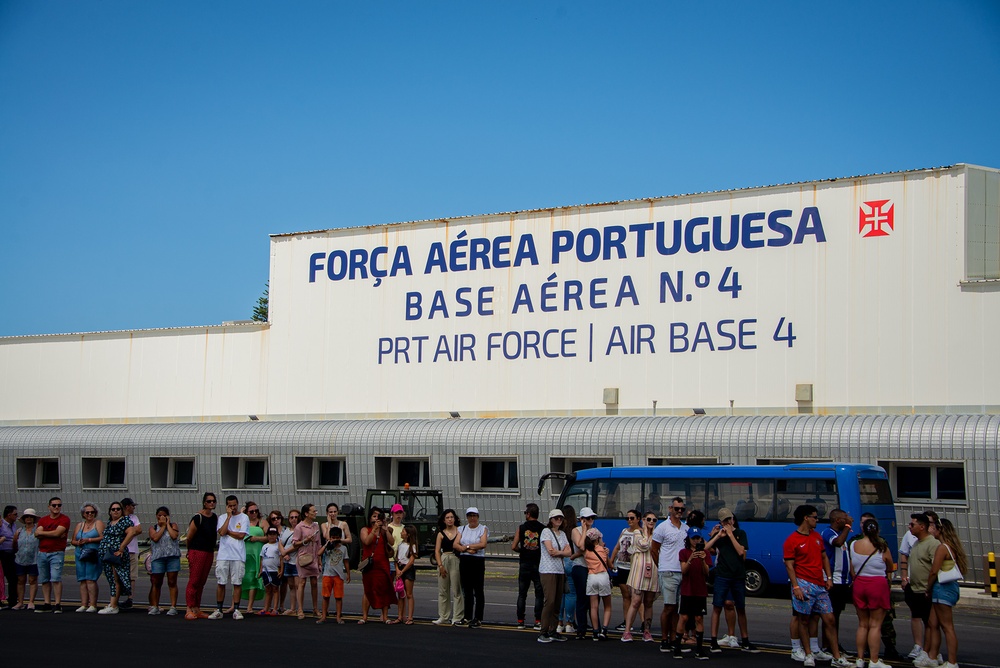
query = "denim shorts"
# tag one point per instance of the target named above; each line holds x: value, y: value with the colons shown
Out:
x: 945, y: 594
x: 165, y: 565
x: 50, y: 566
x: 670, y: 585
x: 730, y: 589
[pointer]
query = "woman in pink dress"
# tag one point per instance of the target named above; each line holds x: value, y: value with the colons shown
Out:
x: 308, y: 541
x: 376, y: 543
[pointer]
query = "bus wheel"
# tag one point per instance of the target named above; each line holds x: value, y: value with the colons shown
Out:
x: 756, y: 579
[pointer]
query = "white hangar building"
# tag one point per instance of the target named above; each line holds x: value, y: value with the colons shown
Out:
x: 850, y: 319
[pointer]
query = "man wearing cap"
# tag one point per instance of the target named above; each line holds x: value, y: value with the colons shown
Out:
x: 52, y: 532
x: 731, y: 546
x: 668, y: 541
x: 128, y: 506
x: 528, y: 547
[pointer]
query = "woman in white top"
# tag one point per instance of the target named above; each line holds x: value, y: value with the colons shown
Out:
x: 870, y: 561
x: 555, y: 547
x: 470, y: 543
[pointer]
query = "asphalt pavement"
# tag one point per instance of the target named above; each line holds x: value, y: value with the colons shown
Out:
x: 497, y: 642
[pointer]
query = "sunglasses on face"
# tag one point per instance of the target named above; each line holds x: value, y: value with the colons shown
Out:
x: 90, y: 512
x: 679, y: 509
x: 116, y: 510
x: 55, y: 505
x: 253, y: 511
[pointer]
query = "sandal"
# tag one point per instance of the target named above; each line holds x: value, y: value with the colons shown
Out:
x: 408, y: 622
x: 362, y: 621
x: 390, y: 622
x: 301, y: 615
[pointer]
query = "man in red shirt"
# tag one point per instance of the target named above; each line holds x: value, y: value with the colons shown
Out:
x: 809, y: 574
x: 52, y: 532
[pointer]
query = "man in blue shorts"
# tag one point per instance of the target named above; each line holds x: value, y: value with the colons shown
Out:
x: 731, y: 545
x: 809, y: 574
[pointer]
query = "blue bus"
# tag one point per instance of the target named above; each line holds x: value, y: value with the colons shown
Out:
x: 763, y: 499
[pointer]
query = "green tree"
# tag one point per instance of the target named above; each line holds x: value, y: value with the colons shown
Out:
x: 260, y: 310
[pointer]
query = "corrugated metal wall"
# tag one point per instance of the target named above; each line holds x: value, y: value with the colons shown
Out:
x: 535, y: 442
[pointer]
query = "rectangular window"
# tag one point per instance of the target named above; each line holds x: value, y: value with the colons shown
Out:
x: 498, y: 475
x: 320, y: 473
x: 171, y: 472
x: 615, y: 498
x: 748, y: 499
x: 38, y: 473
x: 103, y: 472
x: 794, y: 493
x: 245, y: 473
x: 918, y: 482
x: 412, y: 472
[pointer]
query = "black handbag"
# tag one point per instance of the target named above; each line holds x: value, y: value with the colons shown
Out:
x: 89, y: 555
x: 111, y: 558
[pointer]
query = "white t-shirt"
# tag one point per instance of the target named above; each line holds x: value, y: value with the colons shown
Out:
x: 270, y: 557
x: 548, y: 563
x: 402, y: 555
x: 333, y: 562
x: 231, y: 549
x: 905, y: 545
x: 671, y: 540
x: 470, y: 536
x: 133, y: 545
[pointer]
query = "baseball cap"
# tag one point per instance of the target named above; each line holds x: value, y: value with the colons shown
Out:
x: 128, y: 502
x: 695, y: 532
x: 594, y: 534
x: 725, y: 514
x: 588, y: 512
x: 396, y: 508
x: 555, y: 512
x: 472, y: 510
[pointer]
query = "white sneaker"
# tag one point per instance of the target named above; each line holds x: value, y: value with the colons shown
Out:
x: 237, y: 615
x: 108, y: 611
x: 560, y: 628
x: 82, y: 608
x: 810, y: 660
x: 439, y: 622
x: 915, y: 652
x: 92, y: 608
x: 948, y: 664
x: 797, y: 654
x: 823, y: 656
x: 841, y: 662
x: 876, y: 664
x: 172, y: 612
x: 924, y: 661
x: 730, y: 641
x: 570, y: 629
x: 216, y: 615
x: 154, y: 611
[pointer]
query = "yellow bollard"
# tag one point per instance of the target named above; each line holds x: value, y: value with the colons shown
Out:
x: 991, y: 559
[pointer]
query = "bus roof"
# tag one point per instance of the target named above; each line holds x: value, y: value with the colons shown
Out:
x: 724, y: 471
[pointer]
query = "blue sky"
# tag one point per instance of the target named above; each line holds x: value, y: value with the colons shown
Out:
x: 147, y: 149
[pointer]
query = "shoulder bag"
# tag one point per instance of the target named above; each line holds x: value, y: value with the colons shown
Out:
x: 305, y: 558
x: 952, y: 574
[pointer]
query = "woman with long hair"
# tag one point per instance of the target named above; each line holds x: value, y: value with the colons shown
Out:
x: 871, y: 562
x: 643, y: 579
x: 451, y: 603
x: 201, y: 536
x: 86, y: 537
x: 307, y: 540
x: 376, y: 544
x: 949, y: 554
x: 555, y: 548
x: 567, y: 611
x: 621, y: 557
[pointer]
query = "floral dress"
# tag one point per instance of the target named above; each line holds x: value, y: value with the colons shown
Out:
x: 114, y: 536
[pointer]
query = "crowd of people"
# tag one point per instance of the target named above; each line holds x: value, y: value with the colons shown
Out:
x: 566, y: 561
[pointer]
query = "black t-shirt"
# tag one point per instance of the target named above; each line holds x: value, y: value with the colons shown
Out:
x: 530, y: 543
x: 205, y: 533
